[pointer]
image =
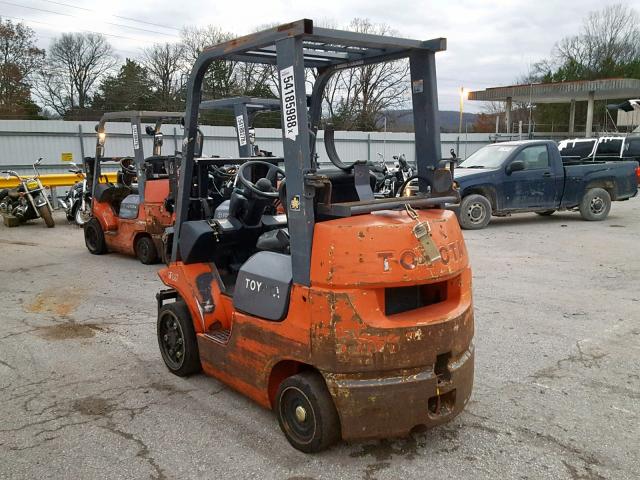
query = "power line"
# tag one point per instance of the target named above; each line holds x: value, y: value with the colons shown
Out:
x: 116, y: 16
x: 57, y: 28
x: 76, y: 16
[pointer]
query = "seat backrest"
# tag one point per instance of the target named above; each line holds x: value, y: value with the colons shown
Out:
x: 129, y: 207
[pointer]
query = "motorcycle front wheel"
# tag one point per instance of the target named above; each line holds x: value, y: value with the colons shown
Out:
x: 46, y: 215
x: 80, y: 216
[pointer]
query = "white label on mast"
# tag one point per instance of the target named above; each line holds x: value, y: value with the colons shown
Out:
x: 242, y: 132
x: 289, y: 105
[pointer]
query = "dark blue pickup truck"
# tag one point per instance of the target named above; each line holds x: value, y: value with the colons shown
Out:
x: 530, y: 176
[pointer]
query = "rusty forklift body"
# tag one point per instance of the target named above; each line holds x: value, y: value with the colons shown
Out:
x: 349, y: 325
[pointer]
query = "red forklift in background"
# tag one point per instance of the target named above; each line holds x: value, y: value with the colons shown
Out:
x: 130, y: 216
x: 350, y: 316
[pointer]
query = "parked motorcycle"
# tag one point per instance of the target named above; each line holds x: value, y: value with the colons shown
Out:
x: 29, y: 200
x: 390, y: 179
x: 77, y: 203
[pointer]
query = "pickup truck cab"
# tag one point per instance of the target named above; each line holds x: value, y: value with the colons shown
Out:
x: 530, y: 176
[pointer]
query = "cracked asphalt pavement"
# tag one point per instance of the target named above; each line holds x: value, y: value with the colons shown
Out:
x: 84, y: 392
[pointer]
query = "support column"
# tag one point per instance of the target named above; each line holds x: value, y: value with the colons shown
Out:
x: 572, y: 117
x: 589, y: 129
x: 508, y: 113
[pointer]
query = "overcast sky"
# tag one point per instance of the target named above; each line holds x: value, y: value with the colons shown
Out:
x: 490, y: 43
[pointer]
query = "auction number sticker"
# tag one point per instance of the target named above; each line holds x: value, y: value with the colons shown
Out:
x: 136, y: 140
x: 242, y: 132
x: 289, y: 106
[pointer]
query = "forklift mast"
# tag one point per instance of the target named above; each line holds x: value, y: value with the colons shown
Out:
x: 135, y: 118
x: 245, y: 109
x: 293, y: 48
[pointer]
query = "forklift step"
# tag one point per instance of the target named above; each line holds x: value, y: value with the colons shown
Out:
x: 220, y: 336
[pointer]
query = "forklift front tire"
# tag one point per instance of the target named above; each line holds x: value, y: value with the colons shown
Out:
x: 306, y: 413
x: 94, y: 237
x: 177, y: 339
x: 146, y: 250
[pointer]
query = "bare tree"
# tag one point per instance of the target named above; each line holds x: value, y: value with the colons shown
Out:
x: 609, y: 38
x: 75, y: 64
x: 164, y: 62
x: 356, y: 98
x: 19, y: 59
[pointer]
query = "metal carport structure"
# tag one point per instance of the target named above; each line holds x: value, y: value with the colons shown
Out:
x: 562, y: 92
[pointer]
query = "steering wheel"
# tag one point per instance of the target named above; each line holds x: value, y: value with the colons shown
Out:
x: 260, y: 188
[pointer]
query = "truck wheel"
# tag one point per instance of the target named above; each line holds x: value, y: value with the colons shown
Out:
x: 146, y: 250
x: 177, y: 339
x: 475, y: 212
x: 546, y: 213
x: 94, y: 237
x: 306, y: 413
x: 595, y: 204
x: 46, y: 215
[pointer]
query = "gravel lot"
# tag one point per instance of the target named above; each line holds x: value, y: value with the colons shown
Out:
x: 84, y: 392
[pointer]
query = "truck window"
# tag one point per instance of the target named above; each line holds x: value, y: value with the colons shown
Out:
x: 632, y: 148
x: 491, y: 156
x: 534, y: 157
x: 609, y: 147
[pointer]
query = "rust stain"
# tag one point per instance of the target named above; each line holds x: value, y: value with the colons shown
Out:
x: 58, y: 301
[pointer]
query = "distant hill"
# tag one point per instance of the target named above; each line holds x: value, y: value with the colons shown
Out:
x: 402, y: 120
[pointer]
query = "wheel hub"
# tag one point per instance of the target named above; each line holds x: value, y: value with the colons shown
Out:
x: 476, y: 212
x: 597, y: 205
x: 301, y: 413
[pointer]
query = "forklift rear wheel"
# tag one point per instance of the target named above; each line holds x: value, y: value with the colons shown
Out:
x: 94, y: 237
x: 306, y: 413
x: 146, y: 250
x: 475, y: 212
x: 177, y: 339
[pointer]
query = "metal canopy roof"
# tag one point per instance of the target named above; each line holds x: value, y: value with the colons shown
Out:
x: 322, y: 46
x: 562, y: 92
x: 249, y: 102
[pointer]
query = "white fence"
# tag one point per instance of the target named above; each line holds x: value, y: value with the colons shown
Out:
x: 24, y: 141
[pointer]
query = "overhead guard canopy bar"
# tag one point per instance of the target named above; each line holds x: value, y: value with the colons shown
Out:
x: 322, y: 47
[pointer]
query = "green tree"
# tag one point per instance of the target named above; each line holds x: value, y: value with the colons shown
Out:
x: 130, y: 89
x: 19, y: 60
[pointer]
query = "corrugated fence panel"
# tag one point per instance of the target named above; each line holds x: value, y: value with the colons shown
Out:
x: 24, y: 141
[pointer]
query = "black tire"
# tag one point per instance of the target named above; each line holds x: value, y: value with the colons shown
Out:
x: 45, y: 213
x: 306, y: 413
x: 595, y: 204
x: 177, y: 339
x: 94, y: 237
x: 475, y: 212
x: 146, y: 250
x: 546, y: 213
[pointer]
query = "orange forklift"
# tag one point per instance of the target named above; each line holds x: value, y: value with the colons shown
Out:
x: 130, y: 216
x: 351, y: 317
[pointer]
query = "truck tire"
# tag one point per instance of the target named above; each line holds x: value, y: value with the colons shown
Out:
x: 595, y: 204
x: 475, y: 212
x: 177, y: 339
x: 94, y: 237
x: 546, y: 213
x: 46, y: 215
x: 306, y: 413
